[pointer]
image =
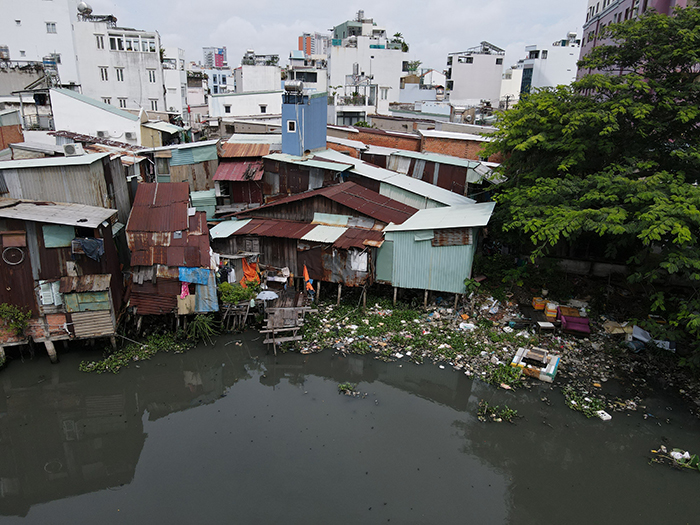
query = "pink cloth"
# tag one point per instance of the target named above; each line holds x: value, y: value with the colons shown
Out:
x: 185, y: 290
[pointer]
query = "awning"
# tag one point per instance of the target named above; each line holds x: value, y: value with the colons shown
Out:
x: 164, y: 127
x: 239, y: 171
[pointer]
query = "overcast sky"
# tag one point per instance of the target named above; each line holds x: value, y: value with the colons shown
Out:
x: 432, y: 28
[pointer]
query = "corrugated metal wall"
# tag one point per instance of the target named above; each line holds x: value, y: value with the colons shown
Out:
x: 406, y: 197
x: 198, y: 176
x: 419, y: 265
x: 93, y: 324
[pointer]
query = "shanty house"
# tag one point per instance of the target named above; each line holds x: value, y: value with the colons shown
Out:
x: 93, y: 179
x: 434, y: 249
x: 334, y: 231
x: 59, y: 261
x: 169, y: 243
x: 238, y: 179
x: 194, y: 163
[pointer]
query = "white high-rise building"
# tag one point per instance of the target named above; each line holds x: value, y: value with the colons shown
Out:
x: 549, y: 66
x: 175, y: 78
x: 118, y: 66
x: 474, y: 75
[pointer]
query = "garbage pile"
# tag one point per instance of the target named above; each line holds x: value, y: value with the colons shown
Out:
x: 481, y: 340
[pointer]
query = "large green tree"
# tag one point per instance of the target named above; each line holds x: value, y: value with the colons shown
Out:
x: 616, y: 156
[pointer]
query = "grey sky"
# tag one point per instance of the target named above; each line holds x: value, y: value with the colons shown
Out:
x: 432, y: 28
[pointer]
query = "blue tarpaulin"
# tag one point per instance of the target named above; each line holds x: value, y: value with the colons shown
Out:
x: 205, y: 297
x: 194, y: 275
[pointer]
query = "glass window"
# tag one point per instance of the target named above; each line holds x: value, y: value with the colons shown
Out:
x: 227, y: 108
x: 152, y: 46
x: 129, y: 46
x: 100, y: 41
x: 292, y: 126
x: 122, y: 102
x: 50, y: 27
x: 107, y: 100
x: 104, y: 74
x: 120, y: 74
x: 152, y: 76
x: 154, y: 105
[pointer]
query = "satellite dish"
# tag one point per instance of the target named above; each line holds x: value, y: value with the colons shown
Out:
x: 84, y: 8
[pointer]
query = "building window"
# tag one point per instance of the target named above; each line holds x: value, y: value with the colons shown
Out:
x: 22, y: 53
x: 499, y: 61
x: 116, y: 43
x: 50, y: 27
x: 100, y: 41
x: 120, y: 74
x: 152, y: 46
x: 384, y: 93
x: 154, y: 104
x: 534, y: 55
x: 215, y: 90
x: 466, y: 60
x: 152, y: 76
x: 292, y: 126
x: 122, y: 102
x: 104, y: 74
x: 544, y: 54
x: 223, y: 79
x: 18, y: 22
x: 263, y: 108
x: 107, y: 100
x: 227, y: 108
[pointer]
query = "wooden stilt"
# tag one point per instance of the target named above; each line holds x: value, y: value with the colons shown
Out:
x: 340, y: 287
x: 138, y: 324
x: 395, y: 292
x: 65, y: 344
x: 456, y: 300
x: 364, y: 298
x: 2, y: 356
x: 51, y: 350
x: 425, y: 299
x: 113, y: 340
x: 318, y: 291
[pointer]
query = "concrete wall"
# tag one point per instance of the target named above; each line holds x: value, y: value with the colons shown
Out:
x: 558, y: 68
x: 80, y: 117
x: 258, y: 78
x: 245, y: 104
x: 175, y: 78
x: 31, y: 35
x: 476, y: 81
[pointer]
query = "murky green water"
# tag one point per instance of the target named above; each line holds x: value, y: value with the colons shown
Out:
x: 233, y: 435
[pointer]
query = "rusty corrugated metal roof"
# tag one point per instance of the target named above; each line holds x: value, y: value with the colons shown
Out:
x: 275, y: 228
x: 160, y: 207
x: 239, y: 171
x: 85, y: 283
x: 229, y: 150
x: 358, y: 238
x: 356, y: 197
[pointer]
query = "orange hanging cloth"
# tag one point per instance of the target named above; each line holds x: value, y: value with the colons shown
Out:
x: 307, y: 281
x: 250, y: 273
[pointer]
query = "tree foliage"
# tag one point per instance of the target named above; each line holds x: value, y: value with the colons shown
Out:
x: 616, y: 155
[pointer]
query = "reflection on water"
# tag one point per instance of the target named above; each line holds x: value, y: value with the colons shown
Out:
x: 270, y: 440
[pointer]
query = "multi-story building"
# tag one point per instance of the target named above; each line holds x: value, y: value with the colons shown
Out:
x: 119, y: 66
x: 364, y: 70
x: 257, y: 73
x: 314, y: 43
x: 554, y: 65
x: 602, y: 13
x: 175, y: 78
x: 215, y: 57
x: 474, y: 75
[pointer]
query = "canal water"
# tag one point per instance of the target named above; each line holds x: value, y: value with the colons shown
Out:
x: 232, y: 434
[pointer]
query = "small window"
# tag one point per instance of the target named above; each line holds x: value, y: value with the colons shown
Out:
x: 50, y: 27
x: 104, y: 74
x: 499, y: 61
x: 154, y: 105
x: 227, y: 108
x: 22, y: 53
x: 100, y: 39
x: 120, y: 74
x: 122, y: 102
x: 544, y: 54
x: 152, y: 46
x: 129, y: 45
x: 144, y: 46
x: 292, y: 126
x: 263, y: 108
x: 18, y: 22
x: 107, y: 100
x: 534, y: 55
x: 152, y: 76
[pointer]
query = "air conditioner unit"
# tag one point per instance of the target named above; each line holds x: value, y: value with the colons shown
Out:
x: 73, y: 150
x: 103, y: 134
x: 130, y: 135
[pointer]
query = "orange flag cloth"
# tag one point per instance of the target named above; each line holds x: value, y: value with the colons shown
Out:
x: 250, y: 273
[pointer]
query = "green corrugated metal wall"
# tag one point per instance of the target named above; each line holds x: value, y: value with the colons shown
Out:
x: 406, y: 197
x: 419, y: 265
x: 385, y: 262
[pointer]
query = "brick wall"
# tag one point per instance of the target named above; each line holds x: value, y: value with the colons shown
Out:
x: 10, y: 135
x: 464, y: 149
x: 343, y: 149
x: 388, y: 140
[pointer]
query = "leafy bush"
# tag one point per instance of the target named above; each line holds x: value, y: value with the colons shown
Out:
x: 15, y: 318
x: 235, y: 293
x: 202, y: 328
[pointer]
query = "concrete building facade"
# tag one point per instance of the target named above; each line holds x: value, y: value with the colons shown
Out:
x: 549, y: 66
x: 475, y: 75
